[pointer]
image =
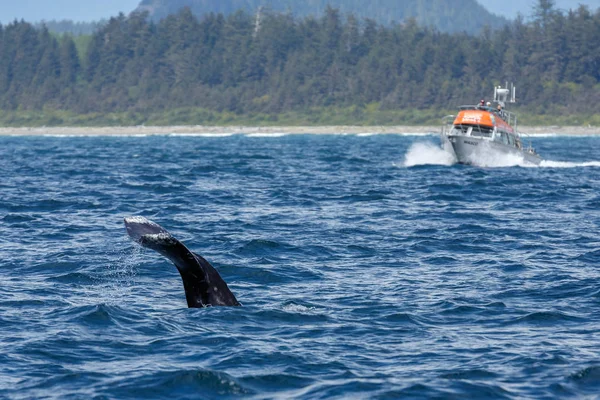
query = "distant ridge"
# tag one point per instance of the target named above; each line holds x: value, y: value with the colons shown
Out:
x: 445, y: 15
x: 511, y: 8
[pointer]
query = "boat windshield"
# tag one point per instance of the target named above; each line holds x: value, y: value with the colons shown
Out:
x: 472, y: 130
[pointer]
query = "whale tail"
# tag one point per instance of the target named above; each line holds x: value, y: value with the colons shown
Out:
x: 202, y: 283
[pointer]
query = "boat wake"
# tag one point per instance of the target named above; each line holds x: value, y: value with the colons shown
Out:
x: 432, y: 154
x: 427, y: 153
x: 499, y: 160
x: 567, y: 164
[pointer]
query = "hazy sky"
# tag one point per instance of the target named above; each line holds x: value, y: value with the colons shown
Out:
x: 93, y: 10
x: 76, y: 10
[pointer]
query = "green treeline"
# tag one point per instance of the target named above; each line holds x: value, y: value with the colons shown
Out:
x: 280, y: 69
x: 71, y: 27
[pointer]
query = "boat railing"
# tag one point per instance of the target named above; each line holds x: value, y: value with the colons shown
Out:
x: 529, y: 147
x: 509, y: 117
x: 477, y: 107
x: 447, y: 124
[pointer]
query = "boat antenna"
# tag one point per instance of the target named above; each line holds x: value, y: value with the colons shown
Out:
x: 502, y: 95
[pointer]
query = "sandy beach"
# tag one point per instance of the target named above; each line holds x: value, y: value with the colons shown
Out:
x: 271, y: 130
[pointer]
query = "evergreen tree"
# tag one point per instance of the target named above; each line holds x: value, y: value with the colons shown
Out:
x: 270, y: 62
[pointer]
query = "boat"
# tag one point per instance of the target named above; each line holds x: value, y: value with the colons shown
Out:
x: 482, y: 134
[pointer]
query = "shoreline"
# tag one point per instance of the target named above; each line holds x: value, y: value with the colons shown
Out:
x: 269, y: 130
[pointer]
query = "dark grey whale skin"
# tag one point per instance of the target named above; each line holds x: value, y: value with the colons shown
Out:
x: 203, y: 285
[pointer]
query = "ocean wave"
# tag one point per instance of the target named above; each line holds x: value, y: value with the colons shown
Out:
x: 367, y: 266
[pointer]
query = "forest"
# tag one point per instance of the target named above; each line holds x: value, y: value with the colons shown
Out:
x: 280, y: 69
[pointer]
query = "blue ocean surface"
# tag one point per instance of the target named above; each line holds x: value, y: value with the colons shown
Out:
x: 368, y: 266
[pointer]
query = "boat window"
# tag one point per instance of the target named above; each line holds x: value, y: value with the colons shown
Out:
x: 481, y: 131
x: 511, y: 140
x: 460, y: 130
x: 472, y: 130
x: 500, y: 137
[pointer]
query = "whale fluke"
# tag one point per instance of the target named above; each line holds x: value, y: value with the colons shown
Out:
x: 202, y: 283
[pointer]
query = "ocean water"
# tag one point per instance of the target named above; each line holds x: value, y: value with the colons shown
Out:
x: 368, y: 266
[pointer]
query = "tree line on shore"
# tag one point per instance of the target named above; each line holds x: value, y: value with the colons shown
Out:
x: 273, y: 64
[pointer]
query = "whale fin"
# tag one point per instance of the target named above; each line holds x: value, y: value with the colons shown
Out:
x: 202, y: 283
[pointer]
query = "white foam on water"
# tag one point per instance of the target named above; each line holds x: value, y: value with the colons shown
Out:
x: 206, y: 135
x: 267, y: 135
x: 367, y: 134
x: 559, y: 135
x: 544, y: 135
x: 419, y: 134
x: 499, y: 160
x: 567, y: 164
x: 88, y: 135
x: 427, y: 153
x: 300, y: 309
